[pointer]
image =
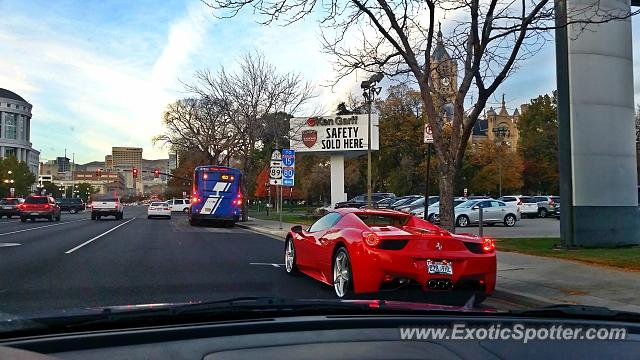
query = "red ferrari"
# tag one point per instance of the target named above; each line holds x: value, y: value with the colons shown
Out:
x: 364, y: 251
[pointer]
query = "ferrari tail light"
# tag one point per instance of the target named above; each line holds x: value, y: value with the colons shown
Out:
x: 117, y: 205
x: 371, y: 239
x: 488, y: 245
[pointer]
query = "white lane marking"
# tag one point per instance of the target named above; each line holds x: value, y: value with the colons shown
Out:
x: 41, y: 227
x: 10, y: 222
x: 97, y: 237
x: 267, y: 264
x: 9, y: 244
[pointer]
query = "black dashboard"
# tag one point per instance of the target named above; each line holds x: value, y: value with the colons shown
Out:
x: 319, y: 337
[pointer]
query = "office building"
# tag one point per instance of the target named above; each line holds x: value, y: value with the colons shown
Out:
x: 15, y: 129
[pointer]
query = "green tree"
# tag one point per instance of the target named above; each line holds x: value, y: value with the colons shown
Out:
x: 17, y: 171
x: 85, y: 190
x: 538, y: 146
x: 52, y: 189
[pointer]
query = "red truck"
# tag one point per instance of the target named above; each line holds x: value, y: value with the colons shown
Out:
x: 39, y: 207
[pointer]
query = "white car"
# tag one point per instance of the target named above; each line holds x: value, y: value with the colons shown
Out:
x: 159, y: 209
x: 527, y: 205
x: 179, y: 205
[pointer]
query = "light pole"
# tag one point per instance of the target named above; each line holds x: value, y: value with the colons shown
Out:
x: 9, y: 181
x: 370, y: 91
x: 500, y: 133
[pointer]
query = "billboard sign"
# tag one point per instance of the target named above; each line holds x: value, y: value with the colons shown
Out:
x: 336, y: 133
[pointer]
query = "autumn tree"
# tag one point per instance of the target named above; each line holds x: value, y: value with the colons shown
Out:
x: 486, y: 39
x: 494, y: 164
x: 538, y: 146
x: 181, y: 178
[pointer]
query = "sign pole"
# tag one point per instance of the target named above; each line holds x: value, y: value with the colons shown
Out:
x: 280, y: 208
x: 428, y: 139
x: 426, y: 191
x: 269, y: 203
x: 369, y: 153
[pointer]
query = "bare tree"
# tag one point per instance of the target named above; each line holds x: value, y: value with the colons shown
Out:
x: 486, y: 39
x: 246, y: 98
x: 199, y: 124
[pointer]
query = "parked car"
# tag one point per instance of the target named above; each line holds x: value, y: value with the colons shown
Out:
x: 528, y: 205
x: 179, y: 205
x: 9, y: 207
x: 434, y: 210
x: 72, y: 205
x: 361, y: 200
x: 364, y: 251
x: 404, y: 200
x: 416, y: 204
x: 106, y: 205
x: 545, y: 204
x: 493, y: 212
x: 385, y: 203
x: 159, y: 209
x: 39, y: 207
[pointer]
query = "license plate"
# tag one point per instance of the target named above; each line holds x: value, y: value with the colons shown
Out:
x: 36, y: 214
x: 7, y: 207
x: 439, y: 267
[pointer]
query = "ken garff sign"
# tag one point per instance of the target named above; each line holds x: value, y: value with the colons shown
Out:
x: 288, y: 167
x: 337, y: 133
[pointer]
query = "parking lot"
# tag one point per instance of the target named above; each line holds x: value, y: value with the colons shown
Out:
x: 525, y: 228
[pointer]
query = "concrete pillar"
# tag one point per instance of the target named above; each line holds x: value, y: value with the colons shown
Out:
x: 337, y: 179
x: 604, y: 180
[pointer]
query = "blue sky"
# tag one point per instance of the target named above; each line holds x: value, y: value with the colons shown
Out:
x: 99, y: 73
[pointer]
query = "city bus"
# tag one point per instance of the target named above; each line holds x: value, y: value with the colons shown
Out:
x: 216, y: 195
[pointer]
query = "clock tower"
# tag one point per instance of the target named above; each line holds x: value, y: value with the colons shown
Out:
x: 444, y: 71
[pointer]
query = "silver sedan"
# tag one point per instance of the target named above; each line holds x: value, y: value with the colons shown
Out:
x: 493, y: 212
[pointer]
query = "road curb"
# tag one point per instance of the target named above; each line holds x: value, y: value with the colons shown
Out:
x: 520, y: 298
x: 273, y: 234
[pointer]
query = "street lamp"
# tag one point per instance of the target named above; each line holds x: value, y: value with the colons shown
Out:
x: 500, y: 133
x: 370, y: 91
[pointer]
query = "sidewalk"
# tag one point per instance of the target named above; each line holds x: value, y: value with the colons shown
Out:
x: 539, y: 280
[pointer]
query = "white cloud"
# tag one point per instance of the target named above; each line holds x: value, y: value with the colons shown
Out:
x: 111, y: 99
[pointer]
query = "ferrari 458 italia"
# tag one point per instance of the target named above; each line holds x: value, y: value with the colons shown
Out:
x: 365, y: 251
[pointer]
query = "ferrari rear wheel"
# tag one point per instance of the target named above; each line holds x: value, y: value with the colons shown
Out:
x: 342, y: 273
x: 290, y: 257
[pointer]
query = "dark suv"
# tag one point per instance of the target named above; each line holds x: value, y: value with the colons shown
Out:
x: 361, y: 200
x: 72, y: 205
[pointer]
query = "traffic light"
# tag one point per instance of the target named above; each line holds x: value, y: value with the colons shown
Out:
x: 156, y: 173
x: 135, y: 172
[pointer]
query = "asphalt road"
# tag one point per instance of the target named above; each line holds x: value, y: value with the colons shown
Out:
x: 82, y: 263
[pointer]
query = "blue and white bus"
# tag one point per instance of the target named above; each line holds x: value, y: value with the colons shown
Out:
x: 216, y: 195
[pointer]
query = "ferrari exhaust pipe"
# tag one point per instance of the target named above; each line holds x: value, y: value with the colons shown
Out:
x: 440, y: 284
